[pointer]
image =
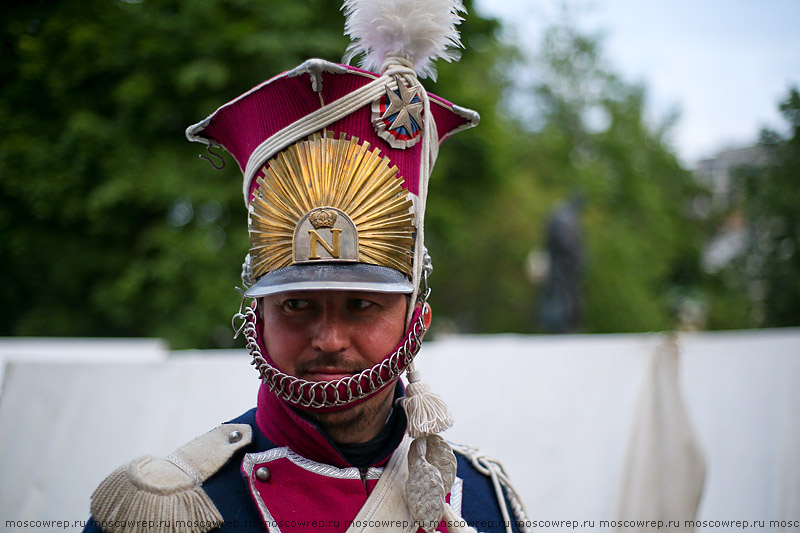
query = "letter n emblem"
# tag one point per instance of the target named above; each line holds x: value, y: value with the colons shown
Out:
x: 316, y: 239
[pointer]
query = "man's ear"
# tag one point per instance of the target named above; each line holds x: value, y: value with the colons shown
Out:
x: 427, y: 315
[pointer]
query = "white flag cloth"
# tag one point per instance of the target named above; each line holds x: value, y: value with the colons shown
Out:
x: 664, y: 468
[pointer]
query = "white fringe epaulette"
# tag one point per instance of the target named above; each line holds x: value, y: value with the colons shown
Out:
x: 420, y: 31
x: 162, y: 495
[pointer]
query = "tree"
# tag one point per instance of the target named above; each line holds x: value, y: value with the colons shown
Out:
x: 769, y: 198
x: 109, y: 225
x: 582, y: 128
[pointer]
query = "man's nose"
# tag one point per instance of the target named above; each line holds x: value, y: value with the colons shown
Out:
x: 331, y: 333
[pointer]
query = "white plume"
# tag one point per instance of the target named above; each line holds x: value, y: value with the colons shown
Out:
x: 418, y: 30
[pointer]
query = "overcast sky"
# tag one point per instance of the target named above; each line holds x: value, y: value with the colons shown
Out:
x: 725, y: 65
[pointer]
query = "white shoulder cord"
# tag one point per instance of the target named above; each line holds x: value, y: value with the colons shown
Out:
x: 430, y: 150
x: 490, y: 467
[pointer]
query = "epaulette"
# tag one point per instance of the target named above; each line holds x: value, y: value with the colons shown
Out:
x: 505, y: 492
x: 156, y: 494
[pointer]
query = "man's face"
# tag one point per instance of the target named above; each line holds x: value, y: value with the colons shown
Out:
x: 328, y: 335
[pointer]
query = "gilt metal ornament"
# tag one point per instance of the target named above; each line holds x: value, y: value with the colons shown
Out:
x: 397, y: 115
x: 330, y: 199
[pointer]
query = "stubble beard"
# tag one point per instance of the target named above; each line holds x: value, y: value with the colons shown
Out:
x: 353, y: 425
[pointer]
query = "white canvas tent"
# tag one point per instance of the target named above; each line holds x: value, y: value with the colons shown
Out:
x: 58, y: 350
x: 565, y: 415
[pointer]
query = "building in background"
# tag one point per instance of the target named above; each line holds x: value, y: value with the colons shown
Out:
x: 717, y: 172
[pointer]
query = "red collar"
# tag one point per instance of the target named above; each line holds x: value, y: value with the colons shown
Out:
x: 285, y: 426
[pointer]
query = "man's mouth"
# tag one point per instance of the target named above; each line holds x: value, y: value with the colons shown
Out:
x: 327, y: 367
x: 326, y: 374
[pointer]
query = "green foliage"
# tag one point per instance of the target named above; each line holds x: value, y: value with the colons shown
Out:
x: 769, y: 198
x: 110, y: 224
x: 588, y: 133
x: 469, y: 173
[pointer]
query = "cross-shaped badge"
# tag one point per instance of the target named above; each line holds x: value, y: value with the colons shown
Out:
x: 404, y: 107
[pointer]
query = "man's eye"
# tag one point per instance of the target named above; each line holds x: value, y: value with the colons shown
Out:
x: 359, y: 304
x: 295, y: 305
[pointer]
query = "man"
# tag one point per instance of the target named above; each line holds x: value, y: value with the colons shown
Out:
x: 560, y: 304
x: 336, y: 162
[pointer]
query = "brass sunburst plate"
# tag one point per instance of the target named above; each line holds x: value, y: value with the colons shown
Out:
x: 327, y: 199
